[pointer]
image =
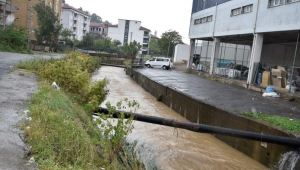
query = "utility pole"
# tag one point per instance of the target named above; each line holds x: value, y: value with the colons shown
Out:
x: 4, y: 13
x: 29, y: 26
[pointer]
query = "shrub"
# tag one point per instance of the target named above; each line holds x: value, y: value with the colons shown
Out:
x: 61, y: 134
x: 13, y: 39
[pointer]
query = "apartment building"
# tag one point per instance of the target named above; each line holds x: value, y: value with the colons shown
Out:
x: 127, y: 31
x: 97, y: 29
x: 269, y: 27
x: 76, y: 20
x: 6, y: 12
x: 25, y: 16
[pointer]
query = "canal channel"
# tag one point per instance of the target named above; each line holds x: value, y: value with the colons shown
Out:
x: 167, y: 147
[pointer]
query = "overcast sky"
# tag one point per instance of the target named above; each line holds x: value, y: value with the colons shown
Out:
x: 159, y: 15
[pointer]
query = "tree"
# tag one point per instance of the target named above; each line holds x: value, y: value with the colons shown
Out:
x: 131, y: 49
x: 154, y: 48
x: 13, y: 38
x: 116, y: 43
x: 87, y: 41
x: 48, y: 22
x: 80, y: 8
x: 96, y: 18
x: 66, y: 34
x: 107, y: 22
x: 168, y: 42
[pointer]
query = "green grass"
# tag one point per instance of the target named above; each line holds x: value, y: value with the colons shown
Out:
x: 61, y: 133
x: 292, y: 125
x: 187, y: 71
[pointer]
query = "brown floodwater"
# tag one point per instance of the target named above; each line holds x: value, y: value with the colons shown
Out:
x: 167, y: 147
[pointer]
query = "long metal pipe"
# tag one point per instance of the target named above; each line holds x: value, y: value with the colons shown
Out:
x: 291, y: 142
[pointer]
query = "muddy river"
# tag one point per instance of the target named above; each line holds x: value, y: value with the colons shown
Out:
x: 167, y: 147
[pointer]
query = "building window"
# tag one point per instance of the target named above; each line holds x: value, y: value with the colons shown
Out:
x: 236, y: 11
x: 203, y: 20
x: 209, y: 18
x: 247, y: 9
x: 273, y: 3
x: 290, y: 1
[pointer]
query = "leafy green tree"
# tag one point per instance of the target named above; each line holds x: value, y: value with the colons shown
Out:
x: 154, y: 48
x: 107, y: 22
x: 96, y: 18
x: 107, y: 45
x: 87, y: 41
x: 116, y: 43
x: 132, y: 48
x: 66, y: 34
x: 13, y: 38
x: 168, y: 42
x: 48, y: 22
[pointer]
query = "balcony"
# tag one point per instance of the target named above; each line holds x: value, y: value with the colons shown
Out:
x: 146, y: 35
x: 144, y: 49
x: 75, y: 18
x: 146, y: 42
x: 9, y: 8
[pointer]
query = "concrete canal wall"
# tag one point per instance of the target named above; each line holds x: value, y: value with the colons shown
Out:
x: 199, y: 112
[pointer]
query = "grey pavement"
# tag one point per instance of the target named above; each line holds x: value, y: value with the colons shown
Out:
x: 15, y: 90
x: 9, y: 60
x: 228, y: 97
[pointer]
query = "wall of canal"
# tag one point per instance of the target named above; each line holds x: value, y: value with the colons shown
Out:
x: 198, y: 112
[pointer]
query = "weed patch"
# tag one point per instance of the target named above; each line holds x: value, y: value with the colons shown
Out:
x: 292, y: 125
x: 61, y: 132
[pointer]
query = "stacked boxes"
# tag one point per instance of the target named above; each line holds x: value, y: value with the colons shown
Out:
x: 276, y: 78
x: 266, y: 78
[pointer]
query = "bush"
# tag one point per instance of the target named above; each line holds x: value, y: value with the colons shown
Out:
x: 13, y: 39
x: 61, y: 134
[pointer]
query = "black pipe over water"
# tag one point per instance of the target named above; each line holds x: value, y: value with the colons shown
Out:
x: 290, y: 142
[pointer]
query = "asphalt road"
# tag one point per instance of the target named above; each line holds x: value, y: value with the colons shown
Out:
x: 15, y: 90
x: 229, y: 97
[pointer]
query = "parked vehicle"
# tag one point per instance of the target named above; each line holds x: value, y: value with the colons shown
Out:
x: 159, y: 62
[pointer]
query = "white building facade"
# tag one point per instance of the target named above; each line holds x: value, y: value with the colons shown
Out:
x: 128, y: 31
x: 76, y: 21
x: 269, y: 27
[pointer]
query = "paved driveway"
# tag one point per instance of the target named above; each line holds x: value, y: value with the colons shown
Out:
x: 15, y: 89
x: 229, y: 97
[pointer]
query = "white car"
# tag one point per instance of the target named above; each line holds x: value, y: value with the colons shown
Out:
x: 159, y: 62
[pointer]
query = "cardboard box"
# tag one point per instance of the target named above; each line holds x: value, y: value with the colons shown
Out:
x: 276, y: 81
x: 266, y: 78
x: 283, y: 80
x: 280, y: 68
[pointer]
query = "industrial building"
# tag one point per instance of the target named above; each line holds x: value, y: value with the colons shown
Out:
x: 269, y: 27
